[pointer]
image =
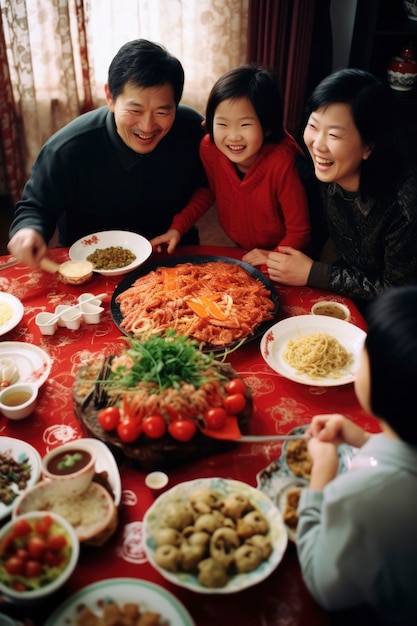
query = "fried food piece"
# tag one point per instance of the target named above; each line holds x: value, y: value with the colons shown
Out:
x: 290, y: 514
x: 298, y: 458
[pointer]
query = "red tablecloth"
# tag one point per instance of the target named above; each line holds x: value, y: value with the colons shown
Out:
x: 279, y: 406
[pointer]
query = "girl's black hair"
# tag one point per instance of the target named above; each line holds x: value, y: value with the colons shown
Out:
x: 143, y: 63
x: 391, y: 344
x: 261, y: 87
x: 371, y: 102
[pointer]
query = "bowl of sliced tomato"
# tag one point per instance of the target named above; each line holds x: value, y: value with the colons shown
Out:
x: 38, y: 553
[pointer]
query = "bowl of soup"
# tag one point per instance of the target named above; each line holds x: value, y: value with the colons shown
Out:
x: 72, y: 464
x: 18, y: 400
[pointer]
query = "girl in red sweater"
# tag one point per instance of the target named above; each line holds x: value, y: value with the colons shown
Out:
x: 250, y: 161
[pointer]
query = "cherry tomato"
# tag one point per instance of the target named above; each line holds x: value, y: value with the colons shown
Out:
x: 236, y: 385
x: 53, y: 559
x: 56, y: 542
x: 109, y: 418
x: 43, y: 525
x: 36, y: 547
x: 14, y: 565
x: 129, y: 430
x: 234, y: 403
x: 21, y: 528
x: 154, y: 426
x: 182, y: 430
x: 215, y: 418
x: 32, y: 568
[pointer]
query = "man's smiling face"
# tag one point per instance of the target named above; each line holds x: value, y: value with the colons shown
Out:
x: 143, y: 115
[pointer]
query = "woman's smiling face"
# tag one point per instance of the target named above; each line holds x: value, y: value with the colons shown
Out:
x: 336, y: 146
x: 143, y: 115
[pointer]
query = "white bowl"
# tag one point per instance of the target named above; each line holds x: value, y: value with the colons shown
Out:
x: 331, y: 308
x: 72, y: 465
x: 18, y: 401
x: 58, y: 576
x: 141, y: 247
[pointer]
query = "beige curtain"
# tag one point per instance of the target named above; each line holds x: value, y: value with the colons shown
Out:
x: 59, y: 49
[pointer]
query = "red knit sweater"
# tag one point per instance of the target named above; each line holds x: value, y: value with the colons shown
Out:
x: 269, y: 206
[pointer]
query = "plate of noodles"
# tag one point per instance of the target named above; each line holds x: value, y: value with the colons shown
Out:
x: 315, y: 351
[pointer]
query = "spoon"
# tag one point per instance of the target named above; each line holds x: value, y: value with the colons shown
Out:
x: 71, y: 272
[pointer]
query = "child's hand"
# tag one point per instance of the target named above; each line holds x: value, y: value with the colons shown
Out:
x: 325, y: 462
x: 171, y: 237
x: 336, y: 428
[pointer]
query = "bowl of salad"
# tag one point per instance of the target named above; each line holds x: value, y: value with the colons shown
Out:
x: 38, y: 553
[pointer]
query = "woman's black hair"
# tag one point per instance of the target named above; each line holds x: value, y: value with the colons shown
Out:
x: 391, y: 343
x: 261, y: 87
x: 143, y: 63
x: 371, y: 102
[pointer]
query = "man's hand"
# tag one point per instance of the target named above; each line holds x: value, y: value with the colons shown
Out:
x: 27, y: 246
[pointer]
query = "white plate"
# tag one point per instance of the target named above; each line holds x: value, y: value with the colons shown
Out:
x: 18, y: 310
x: 105, y: 462
x: 151, y: 597
x: 20, y: 451
x: 137, y: 244
x: 33, y: 364
x: 181, y: 493
x: 274, y: 343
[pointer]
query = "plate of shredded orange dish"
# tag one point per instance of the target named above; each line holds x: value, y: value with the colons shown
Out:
x: 218, y: 301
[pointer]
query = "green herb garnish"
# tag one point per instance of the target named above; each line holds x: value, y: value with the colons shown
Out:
x: 166, y: 361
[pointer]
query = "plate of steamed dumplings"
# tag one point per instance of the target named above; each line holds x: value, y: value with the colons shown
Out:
x: 214, y: 535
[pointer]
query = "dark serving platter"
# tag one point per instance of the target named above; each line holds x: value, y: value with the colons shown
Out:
x: 196, y: 259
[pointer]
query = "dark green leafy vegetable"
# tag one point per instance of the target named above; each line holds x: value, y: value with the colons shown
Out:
x: 166, y: 361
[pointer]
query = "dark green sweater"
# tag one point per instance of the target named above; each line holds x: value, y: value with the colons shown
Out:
x: 89, y: 180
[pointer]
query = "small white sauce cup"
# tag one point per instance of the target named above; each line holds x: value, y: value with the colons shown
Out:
x: 91, y: 313
x: 47, y: 323
x: 157, y: 482
x: 331, y: 308
x: 72, y: 318
x: 18, y: 401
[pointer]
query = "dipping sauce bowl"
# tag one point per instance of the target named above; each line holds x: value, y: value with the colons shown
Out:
x: 72, y: 465
x: 18, y: 401
x: 331, y: 308
x: 47, y: 323
x: 72, y: 318
x: 91, y: 313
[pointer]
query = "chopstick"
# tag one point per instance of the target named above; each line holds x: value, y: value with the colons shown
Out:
x: 260, y: 438
x: 12, y: 261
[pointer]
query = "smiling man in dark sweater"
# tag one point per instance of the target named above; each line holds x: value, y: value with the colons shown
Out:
x: 133, y: 164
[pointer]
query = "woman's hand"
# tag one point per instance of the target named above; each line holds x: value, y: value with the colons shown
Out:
x: 171, y: 237
x: 289, y: 266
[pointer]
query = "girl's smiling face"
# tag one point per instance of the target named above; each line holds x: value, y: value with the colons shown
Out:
x: 237, y: 132
x: 143, y: 115
x: 336, y: 146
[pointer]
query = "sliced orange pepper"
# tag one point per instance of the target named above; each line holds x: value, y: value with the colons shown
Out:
x: 204, y: 306
x: 169, y: 275
x: 213, y: 308
x: 198, y: 307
